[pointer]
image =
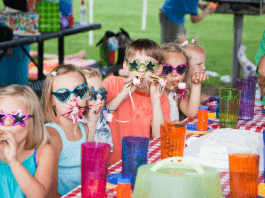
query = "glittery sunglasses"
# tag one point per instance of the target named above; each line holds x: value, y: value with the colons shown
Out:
x: 93, y: 94
x: 148, y: 66
x: 180, y: 69
x: 64, y: 94
x: 18, y: 117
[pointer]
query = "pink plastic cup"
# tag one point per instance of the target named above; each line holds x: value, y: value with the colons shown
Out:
x: 94, y: 169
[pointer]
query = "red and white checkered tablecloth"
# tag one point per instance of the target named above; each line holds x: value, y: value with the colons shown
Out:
x: 257, y: 125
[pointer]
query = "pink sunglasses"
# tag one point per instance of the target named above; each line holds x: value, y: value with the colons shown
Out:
x: 180, y: 69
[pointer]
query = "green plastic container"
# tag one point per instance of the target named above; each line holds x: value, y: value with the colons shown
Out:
x: 49, y: 20
x: 177, y: 177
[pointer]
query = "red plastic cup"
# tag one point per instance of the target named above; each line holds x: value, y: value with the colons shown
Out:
x: 70, y: 18
x: 94, y: 169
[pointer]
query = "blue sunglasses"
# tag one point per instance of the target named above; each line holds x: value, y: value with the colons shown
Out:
x: 93, y: 94
x: 64, y: 94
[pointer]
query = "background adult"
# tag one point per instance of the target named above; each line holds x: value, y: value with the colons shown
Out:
x: 172, y: 16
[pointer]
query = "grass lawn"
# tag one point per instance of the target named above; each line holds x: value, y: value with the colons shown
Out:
x: 216, y: 32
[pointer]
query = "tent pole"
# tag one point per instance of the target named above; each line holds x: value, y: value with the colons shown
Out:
x: 144, y: 14
x: 91, y: 7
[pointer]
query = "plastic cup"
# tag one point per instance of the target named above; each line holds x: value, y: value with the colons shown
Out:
x: 173, y: 138
x: 244, y: 171
x: 94, y: 169
x: 229, y: 107
x: 134, y: 154
x: 247, y: 87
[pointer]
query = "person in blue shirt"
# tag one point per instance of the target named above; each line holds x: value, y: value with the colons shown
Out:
x: 172, y: 17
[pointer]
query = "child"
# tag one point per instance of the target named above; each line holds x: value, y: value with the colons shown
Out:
x: 97, y: 96
x: 65, y: 89
x: 26, y: 160
x: 138, y: 112
x: 196, y: 57
x: 175, y: 70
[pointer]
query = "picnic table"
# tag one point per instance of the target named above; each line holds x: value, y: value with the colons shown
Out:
x: 24, y: 40
x: 256, y: 124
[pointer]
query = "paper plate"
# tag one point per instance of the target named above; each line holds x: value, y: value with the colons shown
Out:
x: 192, y: 128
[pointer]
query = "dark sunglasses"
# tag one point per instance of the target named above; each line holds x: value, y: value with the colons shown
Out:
x: 64, y: 94
x: 180, y: 69
x: 18, y: 117
x: 148, y: 66
x: 93, y: 94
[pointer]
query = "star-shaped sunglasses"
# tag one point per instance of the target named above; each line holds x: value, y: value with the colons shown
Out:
x: 148, y: 66
x: 180, y: 69
x: 64, y: 94
x: 18, y: 117
x: 93, y: 94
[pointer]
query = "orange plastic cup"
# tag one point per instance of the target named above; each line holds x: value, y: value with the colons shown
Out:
x: 173, y: 138
x: 214, y: 5
x: 244, y: 172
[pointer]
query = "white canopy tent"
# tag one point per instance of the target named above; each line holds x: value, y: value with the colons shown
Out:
x: 91, y: 7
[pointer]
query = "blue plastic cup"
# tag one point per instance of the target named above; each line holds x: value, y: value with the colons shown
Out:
x: 134, y: 154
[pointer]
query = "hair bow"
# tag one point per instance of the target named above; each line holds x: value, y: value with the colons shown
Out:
x: 186, y: 42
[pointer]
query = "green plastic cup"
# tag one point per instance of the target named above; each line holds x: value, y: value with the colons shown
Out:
x: 229, y: 107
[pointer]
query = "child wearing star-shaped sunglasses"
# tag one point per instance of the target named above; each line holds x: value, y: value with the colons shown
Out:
x: 25, y: 153
x: 139, y: 101
x: 98, y: 116
x: 175, y: 69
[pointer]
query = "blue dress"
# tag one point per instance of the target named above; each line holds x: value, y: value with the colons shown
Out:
x: 9, y: 187
x: 69, y: 166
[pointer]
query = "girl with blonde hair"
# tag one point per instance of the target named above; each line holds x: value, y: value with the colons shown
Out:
x: 196, y: 56
x: 175, y: 70
x: 65, y: 103
x: 25, y: 152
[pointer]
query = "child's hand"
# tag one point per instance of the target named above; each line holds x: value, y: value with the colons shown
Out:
x: 9, y: 145
x: 198, y: 77
x: 94, y: 113
x: 127, y: 87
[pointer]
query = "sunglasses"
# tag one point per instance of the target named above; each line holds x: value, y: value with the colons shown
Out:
x: 148, y: 66
x: 64, y: 94
x: 93, y: 94
x: 18, y: 117
x: 180, y: 69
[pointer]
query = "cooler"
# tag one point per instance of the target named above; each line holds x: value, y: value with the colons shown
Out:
x: 14, y: 67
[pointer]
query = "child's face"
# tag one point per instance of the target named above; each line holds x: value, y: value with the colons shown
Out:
x: 142, y: 58
x: 95, y: 82
x: 174, y: 59
x: 68, y: 81
x: 197, y: 63
x: 10, y: 105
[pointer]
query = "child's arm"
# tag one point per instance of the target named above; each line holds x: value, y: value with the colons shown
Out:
x: 190, y: 106
x: 120, y: 97
x: 158, y: 116
x: 261, y: 66
x: 39, y: 185
x: 57, y: 145
x: 93, y: 117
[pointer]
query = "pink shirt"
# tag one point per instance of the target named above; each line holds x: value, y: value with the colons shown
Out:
x: 141, y: 122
